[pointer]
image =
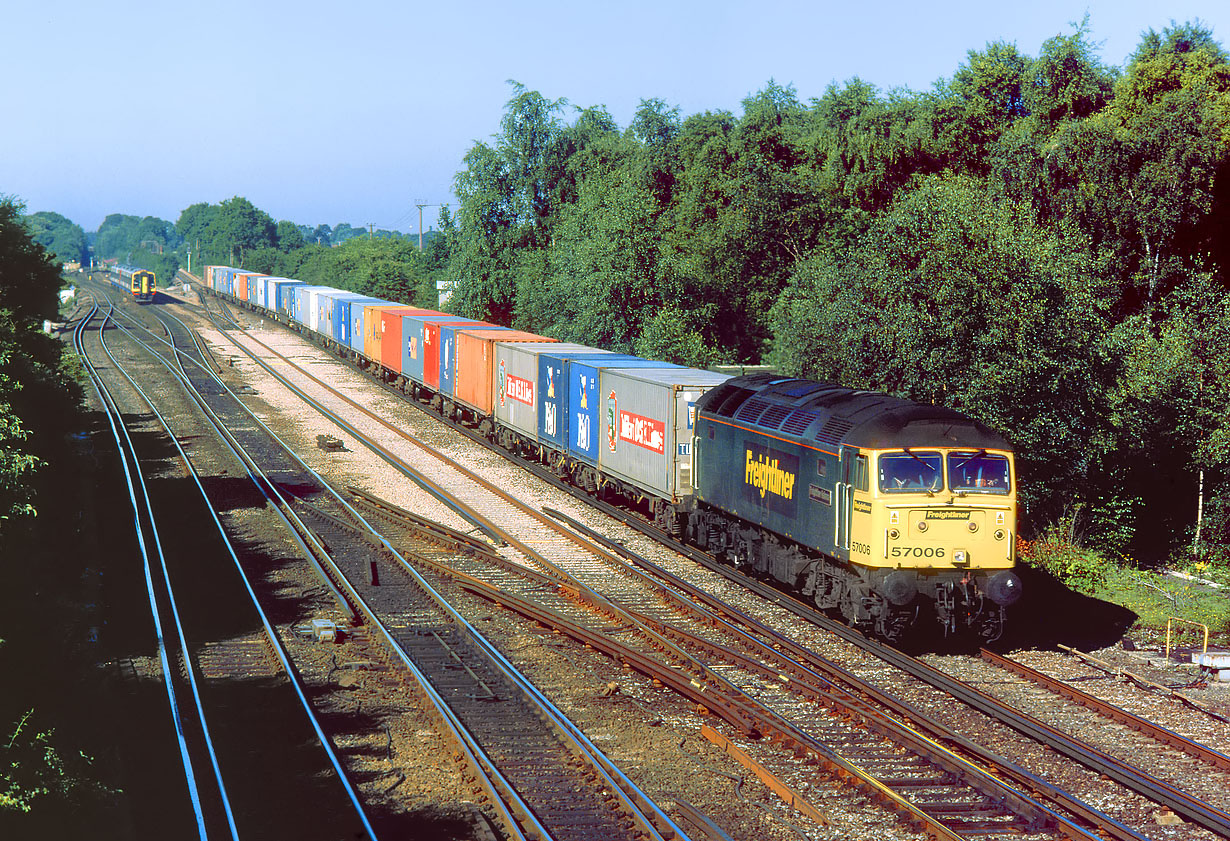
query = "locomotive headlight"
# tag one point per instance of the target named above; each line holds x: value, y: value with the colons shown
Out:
x: 999, y: 534
x: 893, y: 534
x: 922, y: 525
x: 973, y: 526
x: 960, y: 557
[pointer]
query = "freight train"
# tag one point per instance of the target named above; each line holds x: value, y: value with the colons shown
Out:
x: 138, y: 283
x: 891, y: 512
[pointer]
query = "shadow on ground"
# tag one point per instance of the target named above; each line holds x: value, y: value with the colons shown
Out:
x: 1050, y: 614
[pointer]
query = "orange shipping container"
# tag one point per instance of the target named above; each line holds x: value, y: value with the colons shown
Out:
x: 476, y: 383
x: 382, y: 340
x: 243, y: 284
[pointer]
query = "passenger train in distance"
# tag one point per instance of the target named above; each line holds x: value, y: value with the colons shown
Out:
x: 138, y: 283
x: 894, y: 513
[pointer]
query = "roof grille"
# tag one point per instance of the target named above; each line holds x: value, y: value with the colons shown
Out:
x: 833, y: 430
x: 774, y: 416
x: 751, y: 410
x: 798, y: 422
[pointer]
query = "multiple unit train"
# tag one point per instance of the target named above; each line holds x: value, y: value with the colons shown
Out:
x: 139, y: 283
x: 891, y: 512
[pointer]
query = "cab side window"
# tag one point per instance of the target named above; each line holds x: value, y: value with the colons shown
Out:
x: 860, y: 473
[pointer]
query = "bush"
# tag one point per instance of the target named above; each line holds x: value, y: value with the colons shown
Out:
x: 1084, y: 570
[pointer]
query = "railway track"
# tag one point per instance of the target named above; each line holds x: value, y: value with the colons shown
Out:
x: 544, y: 778
x: 682, y: 639
x: 930, y: 786
x: 206, y: 675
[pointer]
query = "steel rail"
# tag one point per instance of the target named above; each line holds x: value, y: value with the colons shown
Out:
x: 126, y: 450
x: 489, y: 527
x: 635, y: 800
x: 500, y: 791
x: 271, y: 635
x: 806, y: 664
x: 1135, y: 779
x: 740, y: 713
x: 264, y: 485
x: 1107, y: 710
x: 1145, y: 683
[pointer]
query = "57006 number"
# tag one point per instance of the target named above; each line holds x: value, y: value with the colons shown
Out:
x: 917, y: 552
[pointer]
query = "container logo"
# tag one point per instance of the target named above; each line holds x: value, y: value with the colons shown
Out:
x: 502, y: 381
x: 642, y: 431
x: 612, y: 431
x: 583, y: 431
x: 520, y: 390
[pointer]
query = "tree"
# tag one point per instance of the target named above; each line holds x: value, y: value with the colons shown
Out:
x: 982, y: 101
x: 957, y: 298
x: 120, y: 237
x: 323, y: 235
x: 63, y: 239
x: 1067, y: 81
x: 508, y: 204
x: 1171, y: 412
x: 33, y: 399
x: 289, y: 236
x: 240, y: 226
x: 193, y: 226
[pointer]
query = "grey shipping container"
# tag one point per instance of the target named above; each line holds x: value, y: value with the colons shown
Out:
x: 647, y: 416
x: 520, y: 393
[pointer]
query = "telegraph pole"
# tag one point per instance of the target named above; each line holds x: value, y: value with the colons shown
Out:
x: 420, y: 207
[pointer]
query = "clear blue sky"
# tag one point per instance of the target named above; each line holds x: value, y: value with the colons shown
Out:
x: 333, y: 112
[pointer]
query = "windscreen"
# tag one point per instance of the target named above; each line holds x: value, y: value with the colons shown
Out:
x: 911, y: 471
x: 978, y: 472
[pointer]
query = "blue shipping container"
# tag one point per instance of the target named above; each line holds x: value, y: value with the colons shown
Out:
x: 285, y: 294
x: 554, y: 417
x: 584, y: 401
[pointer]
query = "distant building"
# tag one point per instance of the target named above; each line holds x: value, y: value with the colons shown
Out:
x: 444, y: 289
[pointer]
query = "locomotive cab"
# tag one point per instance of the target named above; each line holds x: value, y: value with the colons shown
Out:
x: 943, y: 519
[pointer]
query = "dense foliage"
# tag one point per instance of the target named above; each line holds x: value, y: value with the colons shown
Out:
x: 379, y: 263
x: 35, y: 396
x: 1040, y: 242
x: 148, y: 242
x: 38, y: 398
x: 64, y: 240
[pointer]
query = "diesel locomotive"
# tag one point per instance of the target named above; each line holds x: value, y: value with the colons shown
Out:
x: 877, y: 506
x: 891, y: 512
